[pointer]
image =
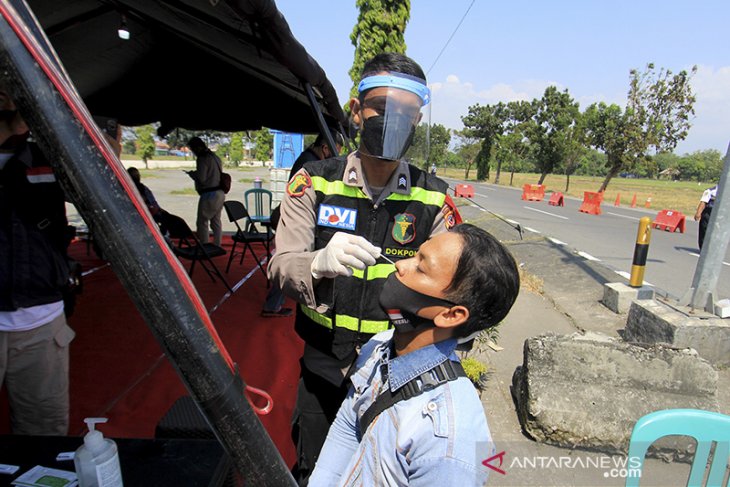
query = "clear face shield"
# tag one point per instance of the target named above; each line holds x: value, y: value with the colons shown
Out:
x: 391, y: 106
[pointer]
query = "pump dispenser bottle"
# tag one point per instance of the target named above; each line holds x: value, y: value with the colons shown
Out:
x: 97, y: 460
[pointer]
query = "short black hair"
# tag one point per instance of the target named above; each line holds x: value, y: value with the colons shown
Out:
x: 393, y: 62
x: 486, y: 280
x: 196, y: 144
x: 134, y: 174
x: 336, y: 136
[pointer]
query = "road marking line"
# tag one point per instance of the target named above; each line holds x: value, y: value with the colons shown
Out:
x: 482, y: 195
x: 697, y: 255
x: 588, y: 256
x: 624, y: 216
x: 532, y: 230
x: 551, y: 214
x: 556, y: 241
x: 627, y: 276
x: 511, y: 221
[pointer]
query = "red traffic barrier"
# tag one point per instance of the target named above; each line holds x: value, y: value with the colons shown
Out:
x: 533, y: 192
x: 670, y: 221
x: 556, y: 199
x: 464, y: 191
x: 591, y: 203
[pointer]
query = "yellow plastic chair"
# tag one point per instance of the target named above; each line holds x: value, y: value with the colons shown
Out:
x: 706, y: 427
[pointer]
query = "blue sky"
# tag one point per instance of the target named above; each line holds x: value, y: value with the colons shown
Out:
x: 506, y: 51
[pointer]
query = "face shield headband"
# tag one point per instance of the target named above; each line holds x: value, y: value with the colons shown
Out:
x: 389, y: 132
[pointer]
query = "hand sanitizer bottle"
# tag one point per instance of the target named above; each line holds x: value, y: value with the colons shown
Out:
x: 97, y: 460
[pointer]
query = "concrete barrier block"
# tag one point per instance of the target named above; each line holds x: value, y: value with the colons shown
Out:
x: 588, y: 391
x: 651, y: 322
x: 617, y: 296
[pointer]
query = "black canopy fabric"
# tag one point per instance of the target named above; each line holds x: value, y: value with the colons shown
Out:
x: 224, y: 65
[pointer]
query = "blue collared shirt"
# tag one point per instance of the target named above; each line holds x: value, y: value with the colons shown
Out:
x: 439, y: 437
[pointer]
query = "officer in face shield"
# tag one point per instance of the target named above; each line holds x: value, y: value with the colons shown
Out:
x: 388, y: 108
x: 341, y: 218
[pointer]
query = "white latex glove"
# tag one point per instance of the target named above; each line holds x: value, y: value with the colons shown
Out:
x: 343, y: 252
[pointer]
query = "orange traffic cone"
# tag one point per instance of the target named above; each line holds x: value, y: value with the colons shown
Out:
x: 618, y: 200
x: 633, y: 201
x: 648, y: 202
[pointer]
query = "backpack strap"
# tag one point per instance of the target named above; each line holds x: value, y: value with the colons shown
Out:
x: 431, y: 379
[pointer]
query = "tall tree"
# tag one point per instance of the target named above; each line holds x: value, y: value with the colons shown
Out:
x: 468, y: 148
x: 264, y: 141
x: 145, y: 143
x: 514, y: 144
x: 555, y: 113
x: 235, y: 150
x: 657, y: 117
x: 381, y: 26
x: 485, y: 122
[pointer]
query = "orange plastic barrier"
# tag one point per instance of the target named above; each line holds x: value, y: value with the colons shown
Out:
x: 464, y: 191
x: 556, y: 199
x: 533, y: 192
x: 670, y: 221
x: 591, y: 203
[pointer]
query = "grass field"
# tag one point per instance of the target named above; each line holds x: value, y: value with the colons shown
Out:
x: 671, y: 195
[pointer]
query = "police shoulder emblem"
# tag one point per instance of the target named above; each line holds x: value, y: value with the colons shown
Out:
x: 404, y: 228
x: 298, y: 185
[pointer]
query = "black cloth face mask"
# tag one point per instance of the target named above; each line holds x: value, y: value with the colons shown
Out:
x: 403, y: 304
x: 388, y: 141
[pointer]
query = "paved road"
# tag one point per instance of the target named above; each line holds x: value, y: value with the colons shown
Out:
x: 609, y: 237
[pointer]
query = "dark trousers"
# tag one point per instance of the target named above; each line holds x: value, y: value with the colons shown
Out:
x: 704, y: 220
x: 317, y: 403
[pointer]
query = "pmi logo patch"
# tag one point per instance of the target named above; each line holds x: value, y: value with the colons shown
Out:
x: 337, y: 217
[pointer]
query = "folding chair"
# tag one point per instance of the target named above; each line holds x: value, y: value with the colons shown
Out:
x: 246, y: 235
x: 191, y: 248
x: 706, y: 427
x: 258, y: 204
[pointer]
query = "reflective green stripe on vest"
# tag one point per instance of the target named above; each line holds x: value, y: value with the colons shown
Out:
x: 377, y: 271
x: 347, y: 322
x: 420, y: 194
x: 339, y: 188
x: 336, y: 188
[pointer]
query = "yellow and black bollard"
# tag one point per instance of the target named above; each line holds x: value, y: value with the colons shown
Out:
x: 640, y: 252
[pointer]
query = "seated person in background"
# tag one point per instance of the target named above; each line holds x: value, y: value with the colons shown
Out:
x: 146, y: 193
x: 149, y: 198
x: 318, y: 151
x: 391, y: 430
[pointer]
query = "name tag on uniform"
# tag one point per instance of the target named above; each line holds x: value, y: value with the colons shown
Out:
x: 337, y: 217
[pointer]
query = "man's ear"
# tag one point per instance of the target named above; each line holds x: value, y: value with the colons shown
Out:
x: 451, y: 317
x: 355, y: 111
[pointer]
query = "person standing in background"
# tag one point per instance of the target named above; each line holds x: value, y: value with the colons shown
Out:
x: 207, y: 177
x: 704, y: 210
x: 34, y: 335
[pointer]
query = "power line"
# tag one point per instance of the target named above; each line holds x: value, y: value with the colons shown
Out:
x: 451, y: 37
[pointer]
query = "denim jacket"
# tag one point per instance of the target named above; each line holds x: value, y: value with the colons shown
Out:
x: 439, y: 437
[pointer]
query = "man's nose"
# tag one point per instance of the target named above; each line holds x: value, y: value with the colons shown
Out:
x: 402, y: 266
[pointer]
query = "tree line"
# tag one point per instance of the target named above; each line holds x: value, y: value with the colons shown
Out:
x: 552, y: 135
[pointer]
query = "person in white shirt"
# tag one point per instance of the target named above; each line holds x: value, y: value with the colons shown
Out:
x: 34, y: 335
